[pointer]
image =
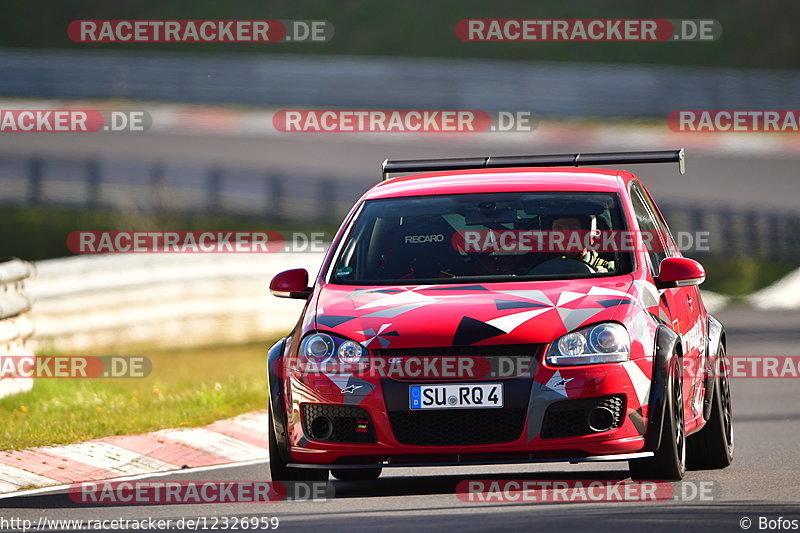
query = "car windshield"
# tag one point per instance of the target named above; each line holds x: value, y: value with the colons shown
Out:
x: 468, y: 238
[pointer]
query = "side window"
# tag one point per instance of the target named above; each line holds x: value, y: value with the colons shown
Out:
x: 657, y: 250
x: 666, y: 233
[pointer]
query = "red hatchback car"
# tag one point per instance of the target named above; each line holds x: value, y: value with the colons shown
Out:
x: 501, y: 310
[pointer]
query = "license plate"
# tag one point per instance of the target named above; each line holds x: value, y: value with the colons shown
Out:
x: 456, y: 396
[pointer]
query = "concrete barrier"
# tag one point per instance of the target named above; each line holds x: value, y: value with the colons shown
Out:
x: 16, y: 327
x: 168, y: 300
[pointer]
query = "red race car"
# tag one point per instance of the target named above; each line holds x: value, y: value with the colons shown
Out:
x: 501, y: 310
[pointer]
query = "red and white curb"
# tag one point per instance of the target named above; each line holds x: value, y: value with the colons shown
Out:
x: 239, y: 439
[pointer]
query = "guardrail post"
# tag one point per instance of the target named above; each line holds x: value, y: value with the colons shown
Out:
x: 792, y: 241
x: 727, y: 230
x: 92, y: 184
x: 774, y: 237
x: 214, y: 190
x: 326, y: 200
x: 698, y: 222
x: 751, y: 230
x: 158, y: 190
x: 274, y: 196
x: 35, y: 173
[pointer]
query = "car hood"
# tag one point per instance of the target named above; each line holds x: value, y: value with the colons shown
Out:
x: 476, y: 314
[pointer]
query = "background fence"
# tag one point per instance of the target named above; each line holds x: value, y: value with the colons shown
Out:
x: 177, y: 188
x: 16, y: 326
x: 174, y: 187
x: 555, y: 89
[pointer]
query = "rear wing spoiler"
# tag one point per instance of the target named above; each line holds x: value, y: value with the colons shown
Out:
x: 555, y: 160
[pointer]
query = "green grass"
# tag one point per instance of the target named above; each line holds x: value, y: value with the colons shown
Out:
x: 739, y: 277
x: 187, y: 387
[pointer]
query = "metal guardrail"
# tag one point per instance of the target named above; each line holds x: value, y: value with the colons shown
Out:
x: 300, y: 198
x: 546, y: 88
x: 16, y: 328
x: 735, y: 233
x: 175, y: 187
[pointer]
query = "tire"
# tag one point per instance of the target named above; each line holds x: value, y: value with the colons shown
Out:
x: 712, y: 447
x: 356, y: 474
x: 278, y: 469
x: 669, y: 461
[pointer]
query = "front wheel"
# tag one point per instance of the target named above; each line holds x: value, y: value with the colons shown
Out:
x: 712, y: 447
x: 278, y: 469
x: 669, y: 461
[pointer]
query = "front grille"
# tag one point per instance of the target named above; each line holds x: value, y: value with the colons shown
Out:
x: 350, y: 423
x: 570, y: 418
x: 457, y: 426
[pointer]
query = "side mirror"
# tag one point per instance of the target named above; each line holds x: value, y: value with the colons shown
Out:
x: 291, y: 284
x: 679, y: 272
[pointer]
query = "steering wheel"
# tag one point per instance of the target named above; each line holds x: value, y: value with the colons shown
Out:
x: 563, y: 265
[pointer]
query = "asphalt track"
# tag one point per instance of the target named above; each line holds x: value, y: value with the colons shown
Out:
x: 764, y: 480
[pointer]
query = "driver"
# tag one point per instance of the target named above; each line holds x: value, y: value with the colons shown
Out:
x: 590, y: 257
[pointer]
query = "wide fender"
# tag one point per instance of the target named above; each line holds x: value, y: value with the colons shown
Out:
x: 714, y: 339
x: 665, y: 351
x: 276, y: 395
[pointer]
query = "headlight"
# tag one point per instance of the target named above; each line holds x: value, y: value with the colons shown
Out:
x: 328, y: 353
x: 608, y: 342
x: 572, y: 344
x: 350, y: 352
x: 317, y: 348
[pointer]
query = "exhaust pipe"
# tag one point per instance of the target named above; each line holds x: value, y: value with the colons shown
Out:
x: 601, y: 419
x: 321, y: 428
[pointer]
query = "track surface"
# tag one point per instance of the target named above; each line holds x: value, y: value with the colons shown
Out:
x: 763, y: 481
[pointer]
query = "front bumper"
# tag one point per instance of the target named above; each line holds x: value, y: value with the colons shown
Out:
x: 385, y: 401
x: 383, y: 406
